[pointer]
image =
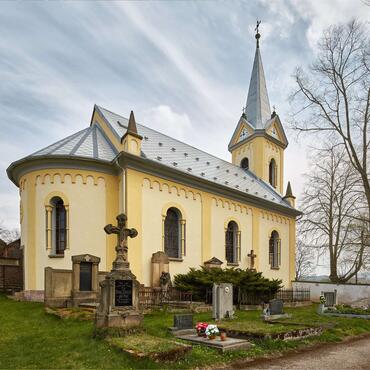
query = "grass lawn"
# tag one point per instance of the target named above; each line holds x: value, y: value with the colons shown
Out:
x: 29, y: 338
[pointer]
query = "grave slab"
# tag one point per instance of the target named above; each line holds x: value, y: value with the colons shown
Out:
x: 275, y: 317
x: 230, y: 344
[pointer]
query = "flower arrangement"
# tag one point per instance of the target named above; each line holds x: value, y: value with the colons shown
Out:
x: 201, y: 328
x: 322, y: 299
x: 212, y: 331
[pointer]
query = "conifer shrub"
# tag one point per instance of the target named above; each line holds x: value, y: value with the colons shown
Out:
x: 198, y: 281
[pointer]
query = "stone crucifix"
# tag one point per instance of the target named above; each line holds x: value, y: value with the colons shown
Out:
x: 122, y: 232
x: 252, y: 256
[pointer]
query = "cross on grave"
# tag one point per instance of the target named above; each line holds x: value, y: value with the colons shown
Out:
x: 252, y: 256
x: 122, y: 232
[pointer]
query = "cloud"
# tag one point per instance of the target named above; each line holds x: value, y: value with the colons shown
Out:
x: 163, y: 119
x: 178, y: 65
x: 321, y: 14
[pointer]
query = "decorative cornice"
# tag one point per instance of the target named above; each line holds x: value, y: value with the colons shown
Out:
x: 29, y: 164
x: 258, y: 133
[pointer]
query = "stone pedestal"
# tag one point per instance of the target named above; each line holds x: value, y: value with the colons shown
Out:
x: 119, y: 302
x: 160, y: 264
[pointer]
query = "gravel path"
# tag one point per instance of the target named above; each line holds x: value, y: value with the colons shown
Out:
x: 351, y: 355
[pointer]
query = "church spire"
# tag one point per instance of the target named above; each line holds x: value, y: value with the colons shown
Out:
x: 257, y: 108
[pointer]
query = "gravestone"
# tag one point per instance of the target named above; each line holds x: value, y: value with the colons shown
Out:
x: 181, y: 322
x: 123, y: 293
x: 274, y: 311
x: 330, y: 298
x: 222, y: 301
x: 276, y: 307
x: 85, y: 285
x: 119, y: 301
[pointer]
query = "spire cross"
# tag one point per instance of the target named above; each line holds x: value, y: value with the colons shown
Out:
x: 257, y: 33
x: 122, y: 234
x: 252, y: 256
x: 258, y: 24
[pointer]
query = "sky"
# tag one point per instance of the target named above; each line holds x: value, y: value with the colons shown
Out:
x: 183, y: 67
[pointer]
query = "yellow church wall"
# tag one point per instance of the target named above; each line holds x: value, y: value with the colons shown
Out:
x: 149, y: 197
x: 268, y: 223
x: 107, y: 130
x: 222, y: 212
x: 273, y: 151
x: 157, y: 197
x: 92, y: 202
x: 245, y: 151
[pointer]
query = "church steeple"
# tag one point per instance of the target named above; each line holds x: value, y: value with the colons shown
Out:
x: 257, y: 110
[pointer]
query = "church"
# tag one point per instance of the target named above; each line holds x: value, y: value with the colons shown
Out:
x: 191, y: 205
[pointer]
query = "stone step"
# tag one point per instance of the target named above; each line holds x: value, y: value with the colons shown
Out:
x: 89, y: 306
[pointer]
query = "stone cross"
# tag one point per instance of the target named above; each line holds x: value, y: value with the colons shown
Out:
x: 252, y: 256
x: 122, y: 232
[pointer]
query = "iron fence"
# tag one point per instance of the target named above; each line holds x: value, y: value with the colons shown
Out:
x: 156, y: 297
x: 294, y: 295
x: 244, y: 297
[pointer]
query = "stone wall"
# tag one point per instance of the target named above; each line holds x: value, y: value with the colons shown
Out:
x: 58, y: 287
x: 11, y: 275
x: 346, y: 293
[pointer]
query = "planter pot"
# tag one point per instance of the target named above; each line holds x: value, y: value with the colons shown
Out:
x: 211, y: 337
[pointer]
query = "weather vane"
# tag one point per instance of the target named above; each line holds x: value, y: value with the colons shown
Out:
x: 258, y: 24
x: 257, y: 33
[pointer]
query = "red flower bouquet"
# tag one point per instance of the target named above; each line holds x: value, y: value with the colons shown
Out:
x: 201, y: 328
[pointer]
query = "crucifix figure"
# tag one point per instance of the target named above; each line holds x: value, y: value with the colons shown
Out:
x: 252, y: 256
x: 122, y: 233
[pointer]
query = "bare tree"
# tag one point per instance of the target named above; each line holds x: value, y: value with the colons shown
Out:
x: 334, y: 96
x: 8, y: 235
x: 333, y: 206
x: 304, y: 260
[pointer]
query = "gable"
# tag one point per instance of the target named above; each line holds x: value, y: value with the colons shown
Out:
x: 275, y: 129
x: 243, y: 130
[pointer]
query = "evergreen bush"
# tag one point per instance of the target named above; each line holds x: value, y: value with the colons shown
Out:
x: 247, y: 281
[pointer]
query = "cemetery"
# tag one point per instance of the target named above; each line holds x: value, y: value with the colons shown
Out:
x: 109, y: 326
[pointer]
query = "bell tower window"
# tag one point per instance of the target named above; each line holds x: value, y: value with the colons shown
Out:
x: 245, y: 164
x: 272, y: 173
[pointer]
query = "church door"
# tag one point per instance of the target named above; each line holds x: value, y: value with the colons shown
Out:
x: 85, y: 276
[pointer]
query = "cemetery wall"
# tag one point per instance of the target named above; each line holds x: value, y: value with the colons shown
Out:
x: 346, y: 293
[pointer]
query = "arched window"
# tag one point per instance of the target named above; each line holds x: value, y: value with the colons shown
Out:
x: 59, y: 226
x: 232, y: 243
x: 174, y: 233
x: 272, y: 172
x: 56, y: 226
x: 275, y: 250
x: 244, y: 163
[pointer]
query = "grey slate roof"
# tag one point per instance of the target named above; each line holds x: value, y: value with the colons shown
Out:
x: 90, y: 142
x: 257, y: 109
x: 183, y: 157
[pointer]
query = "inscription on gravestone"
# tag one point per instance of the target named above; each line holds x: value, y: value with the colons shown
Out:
x: 276, y: 307
x: 123, y: 292
x: 183, y: 321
